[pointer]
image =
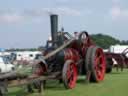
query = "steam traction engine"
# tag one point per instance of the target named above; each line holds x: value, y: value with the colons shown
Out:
x: 69, y: 56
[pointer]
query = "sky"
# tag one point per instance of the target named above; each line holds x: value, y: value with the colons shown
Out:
x: 25, y: 23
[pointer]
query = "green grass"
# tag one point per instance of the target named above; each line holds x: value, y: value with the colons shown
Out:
x: 115, y: 84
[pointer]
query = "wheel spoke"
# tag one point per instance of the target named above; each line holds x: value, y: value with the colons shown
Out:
x: 68, y: 74
x: 71, y: 79
x: 99, y: 73
x: 98, y: 64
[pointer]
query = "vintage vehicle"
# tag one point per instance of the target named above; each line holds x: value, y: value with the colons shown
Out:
x: 5, y: 65
x: 71, y: 56
x: 64, y: 58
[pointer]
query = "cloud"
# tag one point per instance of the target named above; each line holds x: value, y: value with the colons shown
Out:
x: 115, y: 1
x: 14, y: 17
x: 35, y: 15
x: 47, y: 11
x: 10, y: 18
x: 66, y: 11
x: 117, y: 13
x: 62, y: 1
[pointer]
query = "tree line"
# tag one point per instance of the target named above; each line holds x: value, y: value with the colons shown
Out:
x: 102, y: 40
x: 105, y: 41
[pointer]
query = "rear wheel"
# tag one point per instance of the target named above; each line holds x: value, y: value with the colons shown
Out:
x: 95, y: 63
x: 69, y: 74
x: 87, y: 63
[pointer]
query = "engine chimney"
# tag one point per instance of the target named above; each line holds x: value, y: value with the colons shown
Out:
x: 54, y: 27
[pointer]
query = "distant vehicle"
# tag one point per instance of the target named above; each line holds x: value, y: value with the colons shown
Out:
x: 5, y: 65
x: 27, y: 55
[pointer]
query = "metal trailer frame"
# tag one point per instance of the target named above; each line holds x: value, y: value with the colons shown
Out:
x: 121, y: 59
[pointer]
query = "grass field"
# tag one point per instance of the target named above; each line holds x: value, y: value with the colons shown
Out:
x: 115, y: 84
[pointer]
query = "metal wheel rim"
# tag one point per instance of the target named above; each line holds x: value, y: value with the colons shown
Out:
x: 71, y: 75
x: 99, y: 64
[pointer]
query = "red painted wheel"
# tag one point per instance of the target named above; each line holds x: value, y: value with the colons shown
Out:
x: 69, y: 74
x: 96, y: 64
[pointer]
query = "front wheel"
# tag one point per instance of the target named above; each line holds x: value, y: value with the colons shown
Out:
x: 69, y: 74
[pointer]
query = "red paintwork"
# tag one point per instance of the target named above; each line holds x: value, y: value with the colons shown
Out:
x: 78, y: 50
x: 100, y: 64
x: 71, y: 54
x: 75, y: 52
x: 85, y: 46
x: 72, y: 75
